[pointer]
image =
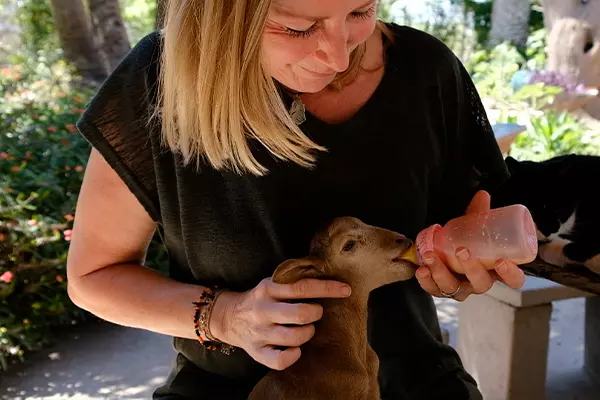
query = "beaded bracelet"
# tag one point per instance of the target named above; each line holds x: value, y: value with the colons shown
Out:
x: 203, y: 311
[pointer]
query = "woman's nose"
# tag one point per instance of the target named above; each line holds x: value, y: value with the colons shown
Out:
x: 334, y: 51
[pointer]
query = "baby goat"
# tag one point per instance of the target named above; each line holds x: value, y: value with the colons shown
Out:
x: 338, y: 363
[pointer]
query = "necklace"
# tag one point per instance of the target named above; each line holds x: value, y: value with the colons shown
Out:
x: 298, y: 110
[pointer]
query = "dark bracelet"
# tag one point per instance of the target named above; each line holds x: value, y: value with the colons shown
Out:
x: 203, y: 311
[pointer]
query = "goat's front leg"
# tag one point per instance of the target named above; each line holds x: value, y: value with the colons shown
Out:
x: 373, y: 368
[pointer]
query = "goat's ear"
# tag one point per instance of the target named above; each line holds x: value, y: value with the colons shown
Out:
x: 293, y: 270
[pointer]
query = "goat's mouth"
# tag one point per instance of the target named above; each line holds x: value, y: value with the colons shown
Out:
x: 408, y: 254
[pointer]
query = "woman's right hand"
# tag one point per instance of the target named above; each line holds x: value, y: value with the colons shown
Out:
x: 269, y: 328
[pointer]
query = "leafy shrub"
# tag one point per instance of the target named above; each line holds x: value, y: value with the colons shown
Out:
x: 42, y: 161
x: 549, y: 133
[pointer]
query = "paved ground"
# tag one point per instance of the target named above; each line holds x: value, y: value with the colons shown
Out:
x: 101, y: 361
x: 104, y: 361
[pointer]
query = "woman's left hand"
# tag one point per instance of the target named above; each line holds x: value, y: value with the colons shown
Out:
x: 438, y: 280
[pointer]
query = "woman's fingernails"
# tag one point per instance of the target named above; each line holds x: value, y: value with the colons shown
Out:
x: 428, y: 259
x: 502, y: 267
x: 346, y: 290
x: 423, y: 273
x: 463, y: 254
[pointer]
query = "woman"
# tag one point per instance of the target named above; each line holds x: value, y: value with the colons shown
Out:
x: 192, y: 136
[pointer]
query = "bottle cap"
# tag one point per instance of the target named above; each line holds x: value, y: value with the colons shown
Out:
x: 426, y: 240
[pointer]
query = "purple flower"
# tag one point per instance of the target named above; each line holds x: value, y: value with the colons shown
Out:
x: 551, y: 78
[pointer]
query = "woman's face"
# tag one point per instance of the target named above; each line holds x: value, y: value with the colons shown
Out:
x: 307, y: 42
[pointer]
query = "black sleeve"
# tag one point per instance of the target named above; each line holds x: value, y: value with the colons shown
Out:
x: 115, y: 121
x: 472, y: 159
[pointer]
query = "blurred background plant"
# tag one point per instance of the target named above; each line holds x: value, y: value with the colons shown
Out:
x: 49, y: 69
x: 42, y: 161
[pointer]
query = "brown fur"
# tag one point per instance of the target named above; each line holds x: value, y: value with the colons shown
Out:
x: 338, y: 363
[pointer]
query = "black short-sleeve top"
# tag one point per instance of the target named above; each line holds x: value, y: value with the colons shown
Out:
x: 413, y: 155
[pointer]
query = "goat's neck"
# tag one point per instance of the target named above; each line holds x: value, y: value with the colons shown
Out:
x: 344, y: 324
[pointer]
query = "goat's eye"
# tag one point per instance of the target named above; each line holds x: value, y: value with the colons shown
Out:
x: 349, y: 245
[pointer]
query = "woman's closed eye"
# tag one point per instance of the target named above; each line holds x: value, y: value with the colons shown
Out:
x: 364, y: 15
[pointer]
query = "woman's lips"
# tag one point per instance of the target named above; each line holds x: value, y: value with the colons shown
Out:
x: 319, y: 74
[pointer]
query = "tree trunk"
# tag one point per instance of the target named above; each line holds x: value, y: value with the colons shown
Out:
x: 161, y: 9
x: 109, y: 31
x: 76, y: 39
x: 510, y: 22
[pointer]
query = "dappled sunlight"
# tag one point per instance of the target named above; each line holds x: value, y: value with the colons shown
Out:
x: 103, y: 362
x: 566, y: 378
x: 448, y: 312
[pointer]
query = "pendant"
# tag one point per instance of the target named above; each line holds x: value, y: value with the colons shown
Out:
x: 298, y: 111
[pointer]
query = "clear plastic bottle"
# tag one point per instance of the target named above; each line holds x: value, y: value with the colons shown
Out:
x: 502, y: 233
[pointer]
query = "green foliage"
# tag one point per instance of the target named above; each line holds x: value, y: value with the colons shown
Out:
x: 549, y: 133
x: 491, y: 70
x: 139, y: 17
x: 443, y: 19
x: 384, y: 9
x: 37, y: 25
x: 42, y: 161
x: 38, y: 32
x: 482, y: 16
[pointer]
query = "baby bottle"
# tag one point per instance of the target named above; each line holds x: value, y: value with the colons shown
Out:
x: 502, y: 233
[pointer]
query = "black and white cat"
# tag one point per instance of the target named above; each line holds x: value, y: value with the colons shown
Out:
x: 562, y: 195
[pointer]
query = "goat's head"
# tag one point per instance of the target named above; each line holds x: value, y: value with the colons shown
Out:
x: 351, y: 251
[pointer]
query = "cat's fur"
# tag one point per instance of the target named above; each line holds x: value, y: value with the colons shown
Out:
x: 560, y: 193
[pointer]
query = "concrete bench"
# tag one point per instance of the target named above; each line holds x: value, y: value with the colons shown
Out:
x: 503, y: 337
x: 506, y: 134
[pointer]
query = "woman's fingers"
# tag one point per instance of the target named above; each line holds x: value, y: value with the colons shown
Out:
x: 441, y: 275
x: 466, y: 289
x: 480, y: 203
x: 286, y: 336
x: 308, y: 289
x: 428, y: 284
x: 296, y: 314
x: 510, y: 274
x: 275, y: 358
x: 476, y: 273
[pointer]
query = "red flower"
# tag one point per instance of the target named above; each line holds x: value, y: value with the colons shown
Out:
x: 52, y: 129
x: 71, y: 127
x: 67, y: 234
x: 3, y: 155
x: 2, y: 237
x: 79, y: 168
x: 15, y: 168
x: 7, y: 277
x: 69, y: 217
x: 59, y: 279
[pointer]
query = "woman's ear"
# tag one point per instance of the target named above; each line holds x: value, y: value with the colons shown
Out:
x: 293, y: 270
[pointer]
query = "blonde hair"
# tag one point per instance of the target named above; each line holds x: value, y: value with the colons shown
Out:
x: 214, y: 96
